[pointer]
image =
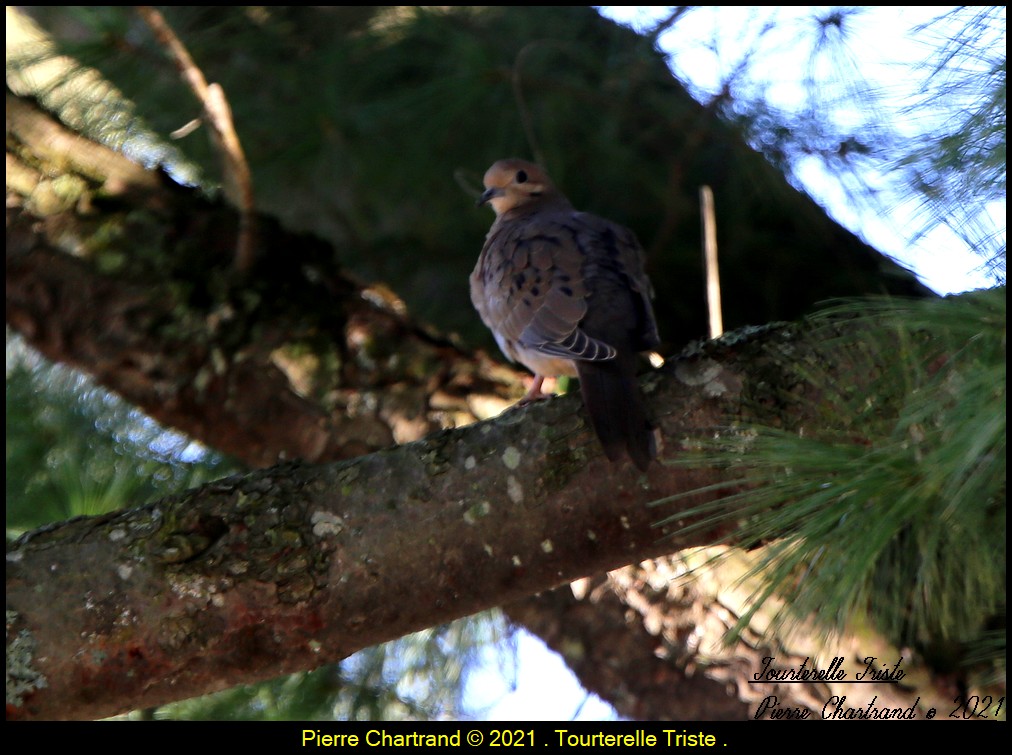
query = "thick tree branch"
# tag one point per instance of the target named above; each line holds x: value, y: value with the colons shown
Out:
x: 296, y: 361
x: 297, y: 566
x: 663, y: 689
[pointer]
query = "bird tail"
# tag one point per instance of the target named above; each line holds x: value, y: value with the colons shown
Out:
x: 615, y: 404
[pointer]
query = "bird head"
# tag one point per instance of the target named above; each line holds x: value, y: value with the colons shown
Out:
x: 512, y: 183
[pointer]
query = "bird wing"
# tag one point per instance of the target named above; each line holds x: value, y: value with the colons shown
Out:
x: 620, y: 311
x: 539, y: 275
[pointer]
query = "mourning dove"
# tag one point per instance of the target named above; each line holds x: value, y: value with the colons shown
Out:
x: 565, y: 293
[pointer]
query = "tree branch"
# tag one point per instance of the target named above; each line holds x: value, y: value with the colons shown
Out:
x: 238, y: 179
x: 296, y: 566
x: 297, y: 361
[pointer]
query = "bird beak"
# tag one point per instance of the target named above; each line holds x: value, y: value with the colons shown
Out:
x: 489, y: 195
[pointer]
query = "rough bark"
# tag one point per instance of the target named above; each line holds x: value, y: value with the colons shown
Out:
x: 296, y: 566
x: 119, y: 272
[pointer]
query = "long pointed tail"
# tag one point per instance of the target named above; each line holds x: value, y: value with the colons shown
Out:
x: 614, y: 402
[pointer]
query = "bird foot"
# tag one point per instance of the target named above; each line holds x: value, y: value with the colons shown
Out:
x: 530, y: 398
x: 534, y: 393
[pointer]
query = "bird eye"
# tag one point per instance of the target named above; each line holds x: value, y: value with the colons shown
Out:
x: 521, y: 176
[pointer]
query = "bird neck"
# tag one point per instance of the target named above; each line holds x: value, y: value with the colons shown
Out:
x: 547, y: 202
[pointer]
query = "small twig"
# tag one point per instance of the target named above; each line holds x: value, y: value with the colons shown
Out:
x: 525, y: 114
x: 710, y: 261
x: 238, y: 180
x: 523, y: 110
x: 663, y: 25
